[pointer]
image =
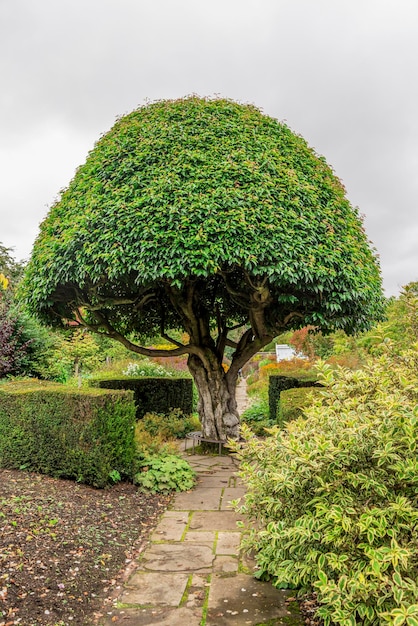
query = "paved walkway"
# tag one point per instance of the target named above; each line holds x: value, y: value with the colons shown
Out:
x: 192, y: 572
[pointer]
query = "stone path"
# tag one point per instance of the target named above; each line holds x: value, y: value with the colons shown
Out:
x: 192, y: 571
x: 241, y: 395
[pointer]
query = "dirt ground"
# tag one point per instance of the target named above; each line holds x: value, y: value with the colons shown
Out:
x: 64, y: 546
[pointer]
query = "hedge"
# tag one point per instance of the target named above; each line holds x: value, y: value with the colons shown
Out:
x: 293, y: 402
x: 153, y: 395
x: 277, y: 384
x: 86, y: 435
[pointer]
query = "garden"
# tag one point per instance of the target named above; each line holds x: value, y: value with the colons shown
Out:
x: 331, y: 474
x: 131, y: 325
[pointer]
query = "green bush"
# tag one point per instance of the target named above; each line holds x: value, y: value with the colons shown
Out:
x: 333, y: 499
x: 152, y: 395
x: 163, y: 473
x: 52, y: 429
x: 173, y: 425
x: 146, y: 368
x: 277, y: 384
x: 293, y: 402
x: 256, y: 416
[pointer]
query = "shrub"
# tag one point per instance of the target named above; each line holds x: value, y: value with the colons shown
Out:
x: 146, y: 368
x: 165, y: 473
x: 298, y: 368
x: 147, y: 445
x: 173, y: 425
x: 257, y: 416
x: 158, y: 395
x: 293, y: 402
x: 52, y: 429
x: 333, y: 499
x: 278, y: 384
x: 14, y: 346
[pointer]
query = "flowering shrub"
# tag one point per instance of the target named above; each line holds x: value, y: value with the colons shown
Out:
x: 145, y: 368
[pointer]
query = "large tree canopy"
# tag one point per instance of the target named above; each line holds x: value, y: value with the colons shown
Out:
x: 204, y: 215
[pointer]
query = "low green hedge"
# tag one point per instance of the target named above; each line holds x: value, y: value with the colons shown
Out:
x: 153, y: 395
x: 293, y: 402
x: 86, y: 435
x: 277, y: 384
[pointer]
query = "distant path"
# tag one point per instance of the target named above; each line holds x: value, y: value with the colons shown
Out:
x: 242, y: 398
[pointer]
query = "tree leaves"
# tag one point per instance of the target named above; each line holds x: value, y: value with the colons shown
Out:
x: 184, y: 188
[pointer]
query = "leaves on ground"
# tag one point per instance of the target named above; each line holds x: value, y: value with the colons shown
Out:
x: 63, y: 546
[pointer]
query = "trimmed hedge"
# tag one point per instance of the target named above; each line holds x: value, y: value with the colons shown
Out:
x: 292, y: 403
x: 153, y: 395
x: 277, y: 384
x: 86, y: 435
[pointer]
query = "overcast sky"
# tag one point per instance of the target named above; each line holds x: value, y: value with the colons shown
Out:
x: 342, y: 73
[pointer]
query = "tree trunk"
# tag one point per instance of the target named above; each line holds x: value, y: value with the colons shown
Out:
x: 217, y: 406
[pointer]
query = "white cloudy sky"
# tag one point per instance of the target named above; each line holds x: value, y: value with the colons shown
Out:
x: 342, y: 73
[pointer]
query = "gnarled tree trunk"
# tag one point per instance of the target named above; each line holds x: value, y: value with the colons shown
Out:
x: 217, y: 406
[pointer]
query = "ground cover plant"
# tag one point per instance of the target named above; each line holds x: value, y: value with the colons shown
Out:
x: 64, y: 546
x: 204, y: 216
x: 333, y: 497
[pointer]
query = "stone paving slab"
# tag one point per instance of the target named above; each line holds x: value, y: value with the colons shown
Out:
x: 200, y: 536
x: 228, y: 542
x: 225, y: 564
x: 182, y: 616
x: 199, y: 499
x: 214, y: 520
x: 179, y: 557
x: 209, y: 462
x: 211, y: 480
x: 155, y: 589
x: 231, y: 494
x: 243, y: 600
x: 171, y: 527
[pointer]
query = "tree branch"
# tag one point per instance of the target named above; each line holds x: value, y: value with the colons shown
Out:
x: 109, y: 331
x: 173, y: 341
x: 290, y: 316
x: 252, y: 285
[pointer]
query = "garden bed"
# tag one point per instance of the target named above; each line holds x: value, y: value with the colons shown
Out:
x: 64, y: 546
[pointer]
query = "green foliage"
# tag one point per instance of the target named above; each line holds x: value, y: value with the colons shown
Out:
x: 145, y: 368
x: 196, y: 188
x: 256, y: 416
x: 52, y: 429
x: 10, y: 268
x: 172, y: 425
x: 278, y: 384
x: 78, y: 352
x: 26, y: 347
x: 161, y: 474
x: 400, y: 326
x: 156, y: 395
x: 333, y: 499
x: 147, y: 444
x: 293, y: 403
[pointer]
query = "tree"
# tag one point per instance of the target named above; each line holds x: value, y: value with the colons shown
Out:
x: 10, y: 273
x: 207, y: 216
x: 400, y: 325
